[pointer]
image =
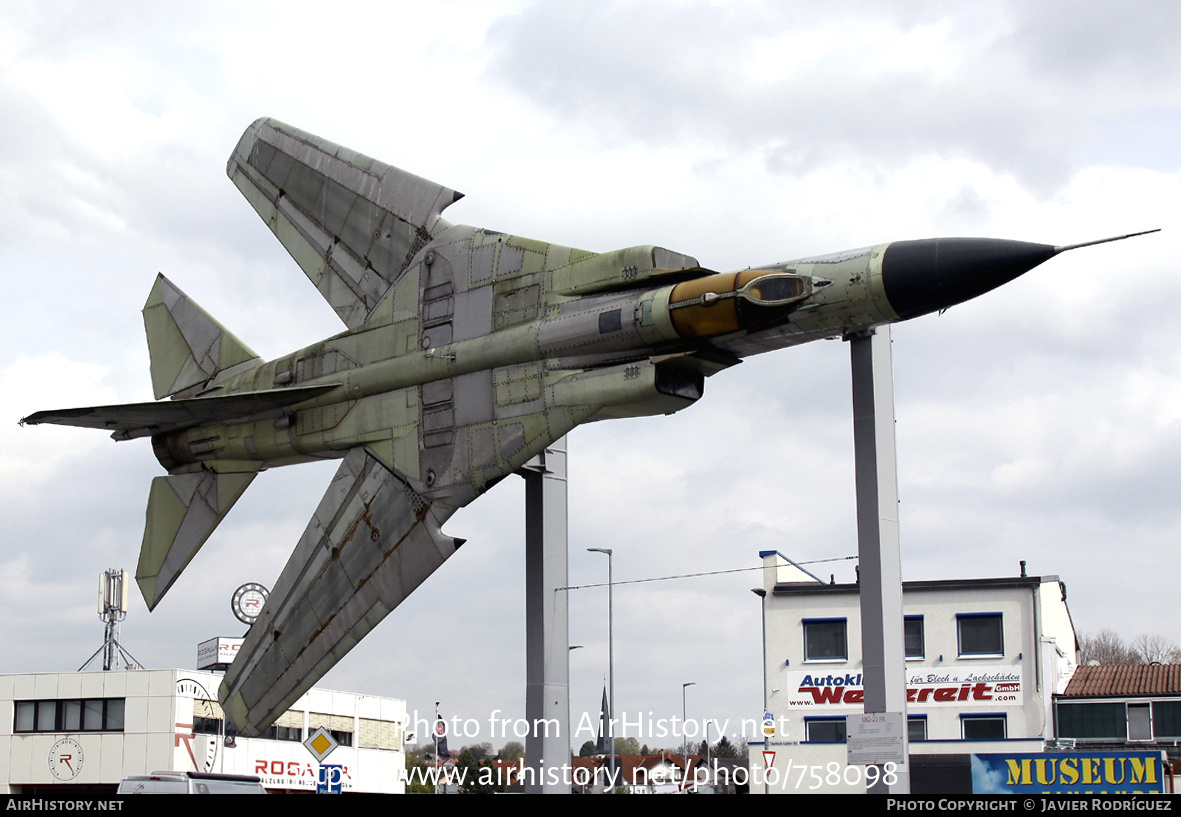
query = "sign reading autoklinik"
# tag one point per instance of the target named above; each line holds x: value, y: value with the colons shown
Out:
x: 1070, y: 773
x: 958, y: 687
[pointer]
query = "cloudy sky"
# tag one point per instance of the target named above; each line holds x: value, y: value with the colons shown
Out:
x: 1040, y: 422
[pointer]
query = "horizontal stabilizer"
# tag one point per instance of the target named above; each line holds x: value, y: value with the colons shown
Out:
x: 132, y: 420
x: 186, y: 345
x: 371, y: 542
x: 183, y: 511
x: 352, y: 223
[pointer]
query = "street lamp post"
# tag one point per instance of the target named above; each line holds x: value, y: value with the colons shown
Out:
x: 435, y: 729
x: 684, y: 730
x: 713, y: 778
x: 610, y: 660
x: 761, y: 592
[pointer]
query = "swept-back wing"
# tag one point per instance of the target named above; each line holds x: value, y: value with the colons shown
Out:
x: 351, y: 222
x: 371, y: 542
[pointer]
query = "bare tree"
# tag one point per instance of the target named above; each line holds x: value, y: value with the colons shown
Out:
x: 1155, y: 649
x: 1107, y: 647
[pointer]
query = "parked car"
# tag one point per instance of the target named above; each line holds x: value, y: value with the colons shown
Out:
x: 190, y: 783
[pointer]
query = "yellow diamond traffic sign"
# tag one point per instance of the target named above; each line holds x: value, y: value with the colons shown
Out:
x: 320, y: 743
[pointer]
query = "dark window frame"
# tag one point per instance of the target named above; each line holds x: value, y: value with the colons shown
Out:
x: 982, y: 719
x: 916, y: 719
x: 75, y: 715
x: 207, y: 726
x: 909, y: 621
x: 1092, y: 720
x: 837, y: 722
x: 1166, y: 719
x: 291, y: 733
x: 972, y: 650
x: 815, y: 646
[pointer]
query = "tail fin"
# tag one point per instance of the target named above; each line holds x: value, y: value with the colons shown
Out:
x: 183, y: 510
x: 187, y: 346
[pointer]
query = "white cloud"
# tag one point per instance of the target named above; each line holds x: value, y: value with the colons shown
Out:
x: 30, y: 457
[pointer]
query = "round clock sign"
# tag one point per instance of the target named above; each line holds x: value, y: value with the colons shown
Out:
x: 65, y: 759
x: 248, y: 601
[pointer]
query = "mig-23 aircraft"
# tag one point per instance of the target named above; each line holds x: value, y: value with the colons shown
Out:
x: 467, y: 352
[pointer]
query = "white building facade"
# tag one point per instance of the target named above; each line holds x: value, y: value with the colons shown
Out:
x: 983, y: 659
x: 90, y: 729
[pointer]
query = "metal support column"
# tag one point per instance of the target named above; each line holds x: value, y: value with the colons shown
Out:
x: 882, y: 648
x: 547, y: 631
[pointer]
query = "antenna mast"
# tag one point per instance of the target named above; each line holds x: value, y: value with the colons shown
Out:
x: 112, y: 608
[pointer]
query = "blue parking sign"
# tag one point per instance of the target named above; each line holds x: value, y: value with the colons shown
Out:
x: 329, y: 779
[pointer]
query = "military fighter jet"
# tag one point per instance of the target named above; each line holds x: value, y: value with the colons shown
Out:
x: 466, y: 352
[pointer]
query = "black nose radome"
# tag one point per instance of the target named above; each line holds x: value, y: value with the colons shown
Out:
x: 935, y: 273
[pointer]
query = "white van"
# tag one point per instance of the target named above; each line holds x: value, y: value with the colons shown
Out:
x: 190, y: 783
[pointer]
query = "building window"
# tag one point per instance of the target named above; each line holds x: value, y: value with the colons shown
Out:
x: 295, y: 734
x: 824, y: 730
x: 1139, y: 722
x: 113, y: 714
x: 983, y: 727
x: 1166, y: 718
x: 71, y: 715
x: 206, y: 726
x: 213, y: 726
x: 916, y: 727
x: 825, y: 639
x: 339, y: 726
x: 1097, y: 720
x: 912, y: 636
x: 981, y: 634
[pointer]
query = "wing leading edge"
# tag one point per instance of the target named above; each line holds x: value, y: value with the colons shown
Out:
x: 370, y: 543
x: 352, y: 223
